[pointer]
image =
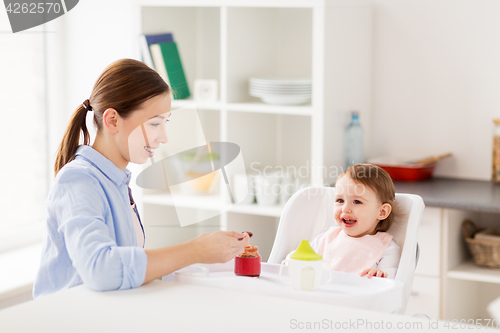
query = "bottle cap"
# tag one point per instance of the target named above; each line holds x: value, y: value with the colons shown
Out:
x: 305, y: 252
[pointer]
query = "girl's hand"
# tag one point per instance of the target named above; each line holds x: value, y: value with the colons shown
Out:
x: 219, y: 246
x: 373, y: 272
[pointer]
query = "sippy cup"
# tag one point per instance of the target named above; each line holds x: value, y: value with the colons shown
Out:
x: 248, y: 263
x: 305, y: 268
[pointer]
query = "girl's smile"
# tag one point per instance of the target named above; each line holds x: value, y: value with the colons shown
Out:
x: 348, y: 222
x: 150, y: 150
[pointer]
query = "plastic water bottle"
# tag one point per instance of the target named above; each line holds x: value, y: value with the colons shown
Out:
x: 354, y: 148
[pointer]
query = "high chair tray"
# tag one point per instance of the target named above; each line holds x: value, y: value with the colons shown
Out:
x: 345, y: 289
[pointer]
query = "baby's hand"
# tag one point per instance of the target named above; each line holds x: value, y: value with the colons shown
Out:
x: 373, y: 272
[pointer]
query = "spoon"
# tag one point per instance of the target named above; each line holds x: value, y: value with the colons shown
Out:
x: 431, y: 159
x: 250, y: 234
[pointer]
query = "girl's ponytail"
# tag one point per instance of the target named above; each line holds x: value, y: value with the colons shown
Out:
x: 71, y: 139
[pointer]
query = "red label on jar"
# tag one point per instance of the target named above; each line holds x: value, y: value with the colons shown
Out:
x: 247, y: 266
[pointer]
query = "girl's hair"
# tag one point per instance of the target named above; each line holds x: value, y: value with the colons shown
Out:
x: 381, y: 183
x: 124, y: 86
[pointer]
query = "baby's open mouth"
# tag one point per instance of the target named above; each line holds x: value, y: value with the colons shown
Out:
x: 148, y: 149
x: 348, y: 222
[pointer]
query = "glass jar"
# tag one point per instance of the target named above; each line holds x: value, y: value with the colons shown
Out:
x: 495, y: 175
x: 248, y: 263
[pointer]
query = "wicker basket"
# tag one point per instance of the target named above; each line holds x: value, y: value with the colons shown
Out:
x: 486, y: 247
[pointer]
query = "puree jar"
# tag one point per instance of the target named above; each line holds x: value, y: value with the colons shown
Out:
x: 248, y: 263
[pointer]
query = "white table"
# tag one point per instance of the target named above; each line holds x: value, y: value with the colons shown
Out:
x: 176, y: 307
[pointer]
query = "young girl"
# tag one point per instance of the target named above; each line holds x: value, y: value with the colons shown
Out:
x: 364, y: 211
x: 94, y: 234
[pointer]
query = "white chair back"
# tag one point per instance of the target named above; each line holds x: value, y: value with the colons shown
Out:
x: 310, y: 212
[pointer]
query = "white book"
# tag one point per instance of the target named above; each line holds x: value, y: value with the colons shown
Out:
x: 146, y: 55
x: 159, y: 64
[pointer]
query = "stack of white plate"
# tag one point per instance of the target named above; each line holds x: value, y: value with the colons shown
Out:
x: 281, y: 91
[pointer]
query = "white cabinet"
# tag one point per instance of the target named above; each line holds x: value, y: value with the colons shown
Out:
x: 468, y: 288
x: 448, y: 285
x: 328, y: 41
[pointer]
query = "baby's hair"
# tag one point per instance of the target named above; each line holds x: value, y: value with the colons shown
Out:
x: 379, y: 181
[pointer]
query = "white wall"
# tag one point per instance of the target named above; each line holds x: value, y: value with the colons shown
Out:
x: 93, y: 35
x: 436, y: 81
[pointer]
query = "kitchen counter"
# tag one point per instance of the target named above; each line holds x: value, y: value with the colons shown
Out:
x: 471, y: 195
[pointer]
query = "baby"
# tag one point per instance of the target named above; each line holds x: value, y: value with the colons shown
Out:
x: 364, y: 211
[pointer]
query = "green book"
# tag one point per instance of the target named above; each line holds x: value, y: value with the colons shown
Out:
x: 166, y: 58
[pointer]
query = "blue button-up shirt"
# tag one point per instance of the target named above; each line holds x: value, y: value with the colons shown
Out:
x: 90, y: 233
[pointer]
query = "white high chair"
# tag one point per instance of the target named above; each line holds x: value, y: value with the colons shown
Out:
x: 310, y: 211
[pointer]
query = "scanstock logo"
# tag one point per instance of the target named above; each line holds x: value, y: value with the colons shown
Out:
x: 28, y: 14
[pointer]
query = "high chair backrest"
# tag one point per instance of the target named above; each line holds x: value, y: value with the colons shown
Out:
x: 310, y: 212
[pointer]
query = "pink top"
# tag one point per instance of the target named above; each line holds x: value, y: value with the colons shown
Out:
x: 352, y: 254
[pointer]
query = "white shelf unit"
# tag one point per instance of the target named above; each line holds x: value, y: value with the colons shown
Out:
x: 212, y: 202
x: 468, y: 288
x: 469, y: 271
x: 231, y: 41
x: 448, y: 284
x: 254, y: 107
